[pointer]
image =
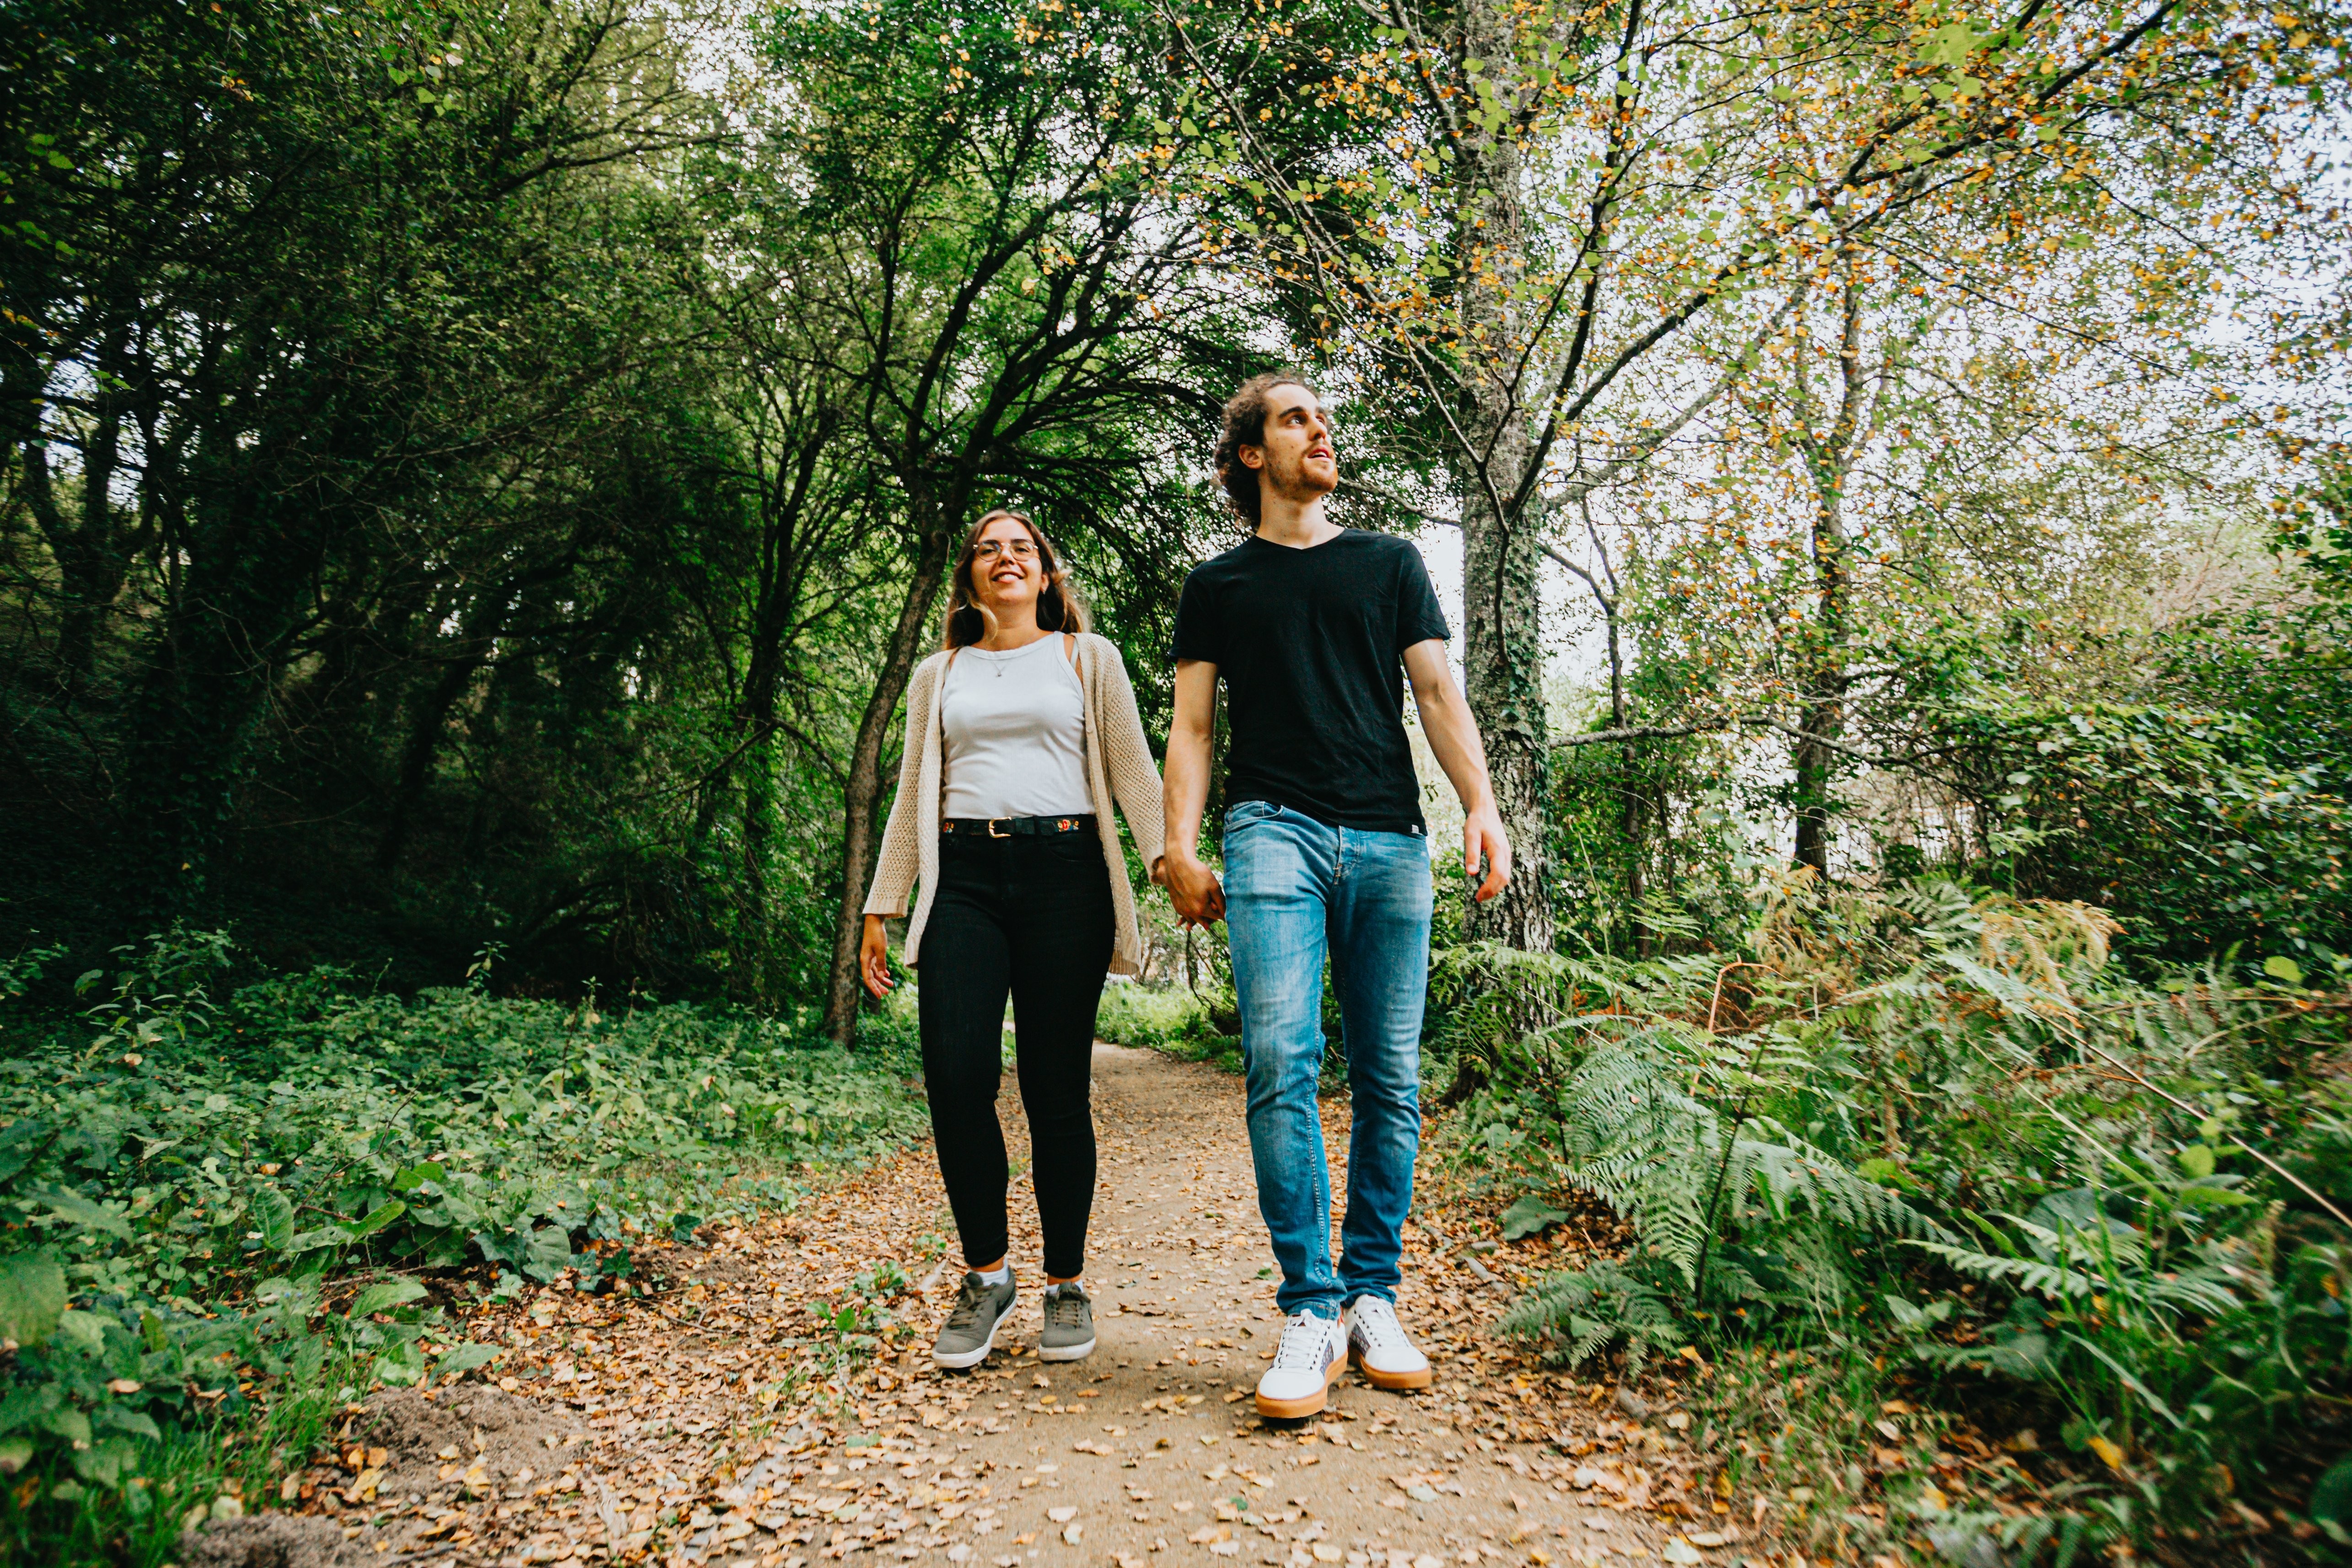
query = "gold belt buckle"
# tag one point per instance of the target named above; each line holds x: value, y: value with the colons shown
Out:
x: 992, y: 827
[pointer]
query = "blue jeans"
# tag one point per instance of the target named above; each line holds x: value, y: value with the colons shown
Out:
x: 1295, y: 890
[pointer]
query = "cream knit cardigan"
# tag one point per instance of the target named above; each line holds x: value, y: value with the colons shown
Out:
x: 1119, y: 765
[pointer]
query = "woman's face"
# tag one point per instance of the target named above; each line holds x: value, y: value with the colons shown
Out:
x: 1005, y: 571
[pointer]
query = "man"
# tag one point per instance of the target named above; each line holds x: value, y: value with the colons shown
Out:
x: 1325, y: 853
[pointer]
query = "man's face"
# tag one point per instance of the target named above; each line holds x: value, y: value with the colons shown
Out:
x: 1296, y: 460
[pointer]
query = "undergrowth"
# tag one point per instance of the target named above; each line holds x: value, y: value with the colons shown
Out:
x: 1175, y: 1021
x: 215, y: 1216
x: 1929, y: 1140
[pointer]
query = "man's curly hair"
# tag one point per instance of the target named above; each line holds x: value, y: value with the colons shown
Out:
x: 1245, y: 426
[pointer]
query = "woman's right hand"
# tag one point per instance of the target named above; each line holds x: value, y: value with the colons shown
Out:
x: 874, y: 958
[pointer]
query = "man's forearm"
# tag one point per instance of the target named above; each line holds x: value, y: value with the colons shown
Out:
x: 1185, y: 790
x: 1184, y: 782
x: 1454, y: 741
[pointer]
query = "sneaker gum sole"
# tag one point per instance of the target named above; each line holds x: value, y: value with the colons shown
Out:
x: 1066, y: 1351
x: 1306, y: 1404
x: 961, y: 1359
x: 1379, y: 1379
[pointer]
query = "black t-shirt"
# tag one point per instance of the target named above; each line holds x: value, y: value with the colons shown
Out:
x: 1307, y: 642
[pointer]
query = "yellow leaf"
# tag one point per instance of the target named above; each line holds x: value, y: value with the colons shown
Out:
x: 2107, y: 1451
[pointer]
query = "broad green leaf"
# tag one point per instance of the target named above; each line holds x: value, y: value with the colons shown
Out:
x: 2279, y: 967
x: 32, y: 1296
x: 550, y: 1254
x: 376, y: 1219
x: 2331, y: 1499
x: 1529, y: 1216
x: 460, y: 1358
x: 86, y: 1331
x: 74, y: 1207
x: 382, y: 1297
x: 273, y: 1216
x: 2197, y: 1159
x: 324, y: 1236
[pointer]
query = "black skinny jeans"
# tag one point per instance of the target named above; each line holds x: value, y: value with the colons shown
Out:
x: 1032, y: 916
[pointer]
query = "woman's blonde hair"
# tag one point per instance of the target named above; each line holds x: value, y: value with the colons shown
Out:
x: 1058, y: 607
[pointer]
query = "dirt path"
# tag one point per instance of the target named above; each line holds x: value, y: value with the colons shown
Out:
x: 715, y: 1425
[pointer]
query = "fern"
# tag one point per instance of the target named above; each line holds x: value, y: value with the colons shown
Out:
x: 1592, y: 1309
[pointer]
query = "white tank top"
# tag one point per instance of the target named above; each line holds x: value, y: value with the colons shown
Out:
x: 1015, y: 726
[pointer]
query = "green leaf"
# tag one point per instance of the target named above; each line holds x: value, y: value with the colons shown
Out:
x: 84, y: 1330
x: 78, y: 1210
x: 13, y: 1454
x: 325, y: 1236
x: 273, y: 1216
x: 382, y: 1297
x: 550, y: 1253
x: 2197, y: 1159
x: 2279, y: 967
x: 376, y: 1219
x: 416, y: 1175
x: 2331, y: 1500
x: 32, y: 1296
x: 460, y: 1358
x: 1529, y: 1216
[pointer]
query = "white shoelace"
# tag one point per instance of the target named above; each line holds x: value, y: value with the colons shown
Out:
x: 1376, y: 1319
x: 1304, y: 1338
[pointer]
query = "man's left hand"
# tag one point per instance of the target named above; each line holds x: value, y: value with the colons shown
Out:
x: 1483, y: 836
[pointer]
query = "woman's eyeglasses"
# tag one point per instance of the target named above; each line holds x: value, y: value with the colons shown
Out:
x: 1019, y: 550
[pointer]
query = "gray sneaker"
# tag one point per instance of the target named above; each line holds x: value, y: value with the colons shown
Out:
x: 971, y: 1329
x: 1069, y: 1324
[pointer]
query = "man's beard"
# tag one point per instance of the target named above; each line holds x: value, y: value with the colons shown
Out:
x: 1295, y: 484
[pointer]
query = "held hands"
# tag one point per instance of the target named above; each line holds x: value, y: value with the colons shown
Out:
x: 874, y: 958
x: 1482, y: 834
x: 1193, y: 889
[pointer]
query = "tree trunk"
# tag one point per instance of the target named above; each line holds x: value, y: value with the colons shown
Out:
x: 1502, y: 641
x: 1828, y: 459
x: 1629, y: 789
x: 861, y: 827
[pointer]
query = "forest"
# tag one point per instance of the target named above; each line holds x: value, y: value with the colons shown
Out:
x: 476, y: 477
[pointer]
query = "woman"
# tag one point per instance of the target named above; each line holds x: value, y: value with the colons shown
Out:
x: 1021, y: 731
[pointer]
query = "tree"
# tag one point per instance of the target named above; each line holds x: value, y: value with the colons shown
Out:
x: 305, y: 259
x: 1535, y: 206
x: 988, y: 232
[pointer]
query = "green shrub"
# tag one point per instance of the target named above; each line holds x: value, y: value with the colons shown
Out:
x: 1147, y: 1017
x: 1936, y: 1128
x: 187, y: 1188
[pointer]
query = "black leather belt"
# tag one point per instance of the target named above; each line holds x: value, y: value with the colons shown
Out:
x: 1016, y: 827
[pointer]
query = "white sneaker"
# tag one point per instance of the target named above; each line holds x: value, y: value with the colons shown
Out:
x: 1378, y: 1344
x: 1312, y: 1355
